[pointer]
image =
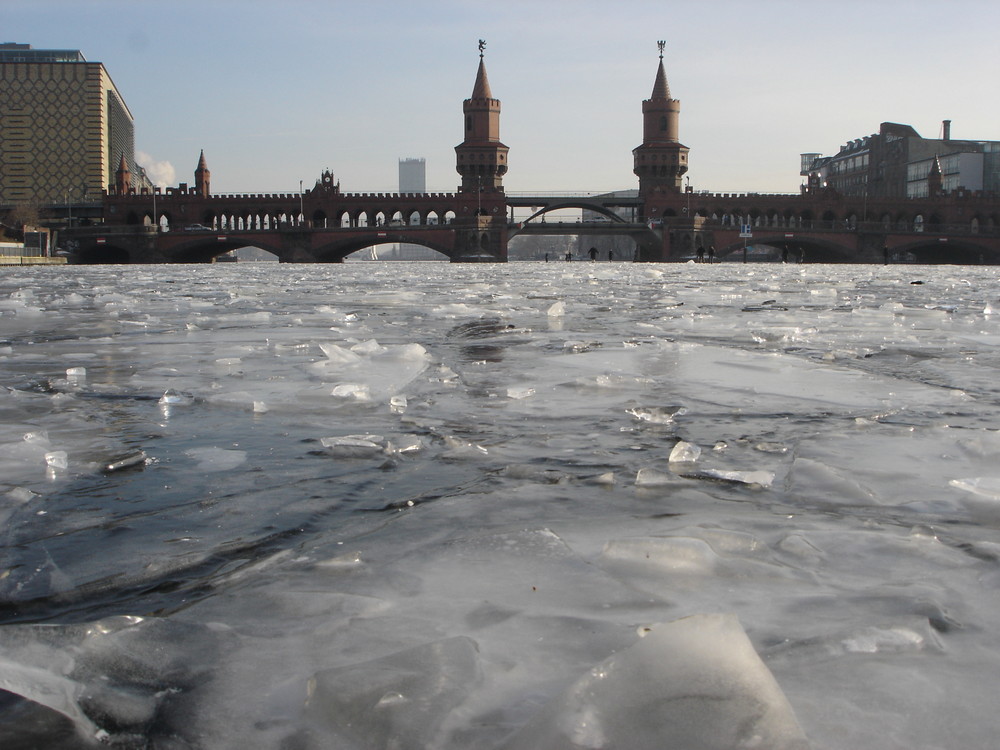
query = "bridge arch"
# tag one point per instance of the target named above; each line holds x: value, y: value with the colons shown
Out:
x: 562, y: 205
x: 798, y: 248
x: 336, y: 251
x: 941, y: 251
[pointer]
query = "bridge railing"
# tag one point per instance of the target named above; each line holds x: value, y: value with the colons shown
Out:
x: 865, y: 227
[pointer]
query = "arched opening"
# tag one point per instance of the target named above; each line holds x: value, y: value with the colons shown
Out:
x: 248, y: 254
x: 393, y: 251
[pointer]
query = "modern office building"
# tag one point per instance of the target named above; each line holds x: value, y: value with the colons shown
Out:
x: 897, y: 162
x: 64, y: 127
x: 412, y: 176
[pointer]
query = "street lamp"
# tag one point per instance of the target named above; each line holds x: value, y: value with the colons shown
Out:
x: 302, y: 213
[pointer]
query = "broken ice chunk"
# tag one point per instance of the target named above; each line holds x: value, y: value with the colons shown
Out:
x: 398, y: 701
x: 339, y: 354
x: 684, y: 452
x: 656, y: 414
x: 134, y: 458
x: 692, y: 683
x: 369, y: 347
x: 174, y: 398
x: 352, y: 446
x: 652, y: 478
x: 759, y: 478
x: 519, y: 392
x: 983, y: 499
x: 216, y: 459
x: 57, y: 460
x: 356, y: 391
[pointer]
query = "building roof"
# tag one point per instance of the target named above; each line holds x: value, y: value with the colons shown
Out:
x: 661, y: 90
x: 482, y: 87
x: 12, y: 52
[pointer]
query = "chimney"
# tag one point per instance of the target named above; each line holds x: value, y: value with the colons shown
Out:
x: 946, y: 128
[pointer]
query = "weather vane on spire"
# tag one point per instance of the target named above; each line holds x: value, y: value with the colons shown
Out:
x: 482, y: 46
x: 660, y: 44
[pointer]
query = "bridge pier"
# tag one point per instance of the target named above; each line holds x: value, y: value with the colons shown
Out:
x: 482, y: 240
x: 144, y: 249
x: 676, y: 241
x: 296, y: 247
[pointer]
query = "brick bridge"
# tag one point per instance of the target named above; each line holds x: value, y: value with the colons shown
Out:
x: 189, y: 224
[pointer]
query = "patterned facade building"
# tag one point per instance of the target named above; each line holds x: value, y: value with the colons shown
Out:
x: 64, y: 127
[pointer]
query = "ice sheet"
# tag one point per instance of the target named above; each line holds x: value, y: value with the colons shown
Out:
x: 423, y: 502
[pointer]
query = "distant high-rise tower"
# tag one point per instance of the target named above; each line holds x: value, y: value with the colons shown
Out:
x: 661, y: 160
x: 412, y: 176
x: 64, y: 127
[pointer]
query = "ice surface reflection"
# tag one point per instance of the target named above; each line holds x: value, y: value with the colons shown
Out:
x: 520, y: 506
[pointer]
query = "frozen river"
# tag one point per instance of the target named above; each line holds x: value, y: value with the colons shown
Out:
x: 520, y: 506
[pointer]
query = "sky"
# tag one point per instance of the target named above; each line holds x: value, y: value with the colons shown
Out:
x: 276, y: 92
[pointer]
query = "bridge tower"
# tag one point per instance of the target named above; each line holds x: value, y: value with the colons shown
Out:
x: 661, y: 161
x: 481, y: 157
x: 481, y: 160
x: 202, y: 177
x: 123, y: 178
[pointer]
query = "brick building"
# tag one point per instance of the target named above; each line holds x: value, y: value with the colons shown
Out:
x: 897, y: 162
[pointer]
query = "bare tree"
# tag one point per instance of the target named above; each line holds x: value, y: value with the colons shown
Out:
x: 26, y: 214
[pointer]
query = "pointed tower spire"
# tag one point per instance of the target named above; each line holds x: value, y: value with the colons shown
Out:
x: 482, y: 88
x: 202, y: 177
x: 661, y: 89
x: 123, y: 177
x: 481, y: 157
x: 935, y: 183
